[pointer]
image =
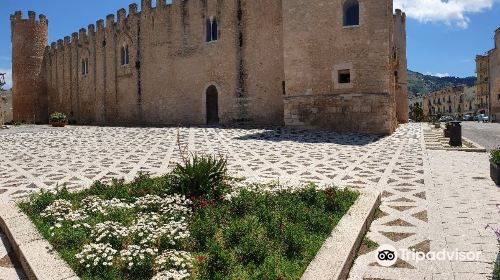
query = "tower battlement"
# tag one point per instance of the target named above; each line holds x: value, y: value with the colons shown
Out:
x: 18, y: 17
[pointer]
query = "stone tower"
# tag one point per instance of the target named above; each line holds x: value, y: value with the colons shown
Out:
x: 29, y: 39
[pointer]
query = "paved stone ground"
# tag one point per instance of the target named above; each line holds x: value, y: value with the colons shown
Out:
x: 485, y: 134
x: 42, y: 157
x: 9, y: 269
x: 435, y: 140
x: 458, y: 201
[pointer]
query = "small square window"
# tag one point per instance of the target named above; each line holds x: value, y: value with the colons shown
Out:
x: 344, y: 76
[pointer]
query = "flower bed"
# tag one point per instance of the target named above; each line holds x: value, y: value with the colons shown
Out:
x: 143, y: 230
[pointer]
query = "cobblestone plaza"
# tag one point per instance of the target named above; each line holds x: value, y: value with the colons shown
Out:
x: 432, y: 199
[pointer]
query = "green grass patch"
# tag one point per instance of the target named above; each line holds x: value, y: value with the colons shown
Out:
x: 496, y: 270
x: 140, y: 229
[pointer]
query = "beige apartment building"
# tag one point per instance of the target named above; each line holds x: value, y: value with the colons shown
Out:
x: 488, y: 81
x: 448, y: 101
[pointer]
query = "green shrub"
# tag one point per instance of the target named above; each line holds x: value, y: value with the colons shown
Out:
x: 294, y: 240
x: 58, y: 117
x: 495, y: 156
x: 202, y: 176
x: 218, y: 263
x: 496, y: 270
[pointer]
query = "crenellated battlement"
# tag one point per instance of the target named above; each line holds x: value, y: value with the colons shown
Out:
x: 18, y: 17
x: 400, y: 14
x: 103, y: 27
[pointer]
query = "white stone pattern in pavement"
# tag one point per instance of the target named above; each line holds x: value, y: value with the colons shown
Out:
x: 78, y: 156
x: 9, y: 270
x: 34, y: 158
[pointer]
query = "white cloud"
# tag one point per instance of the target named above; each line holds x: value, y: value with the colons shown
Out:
x: 452, y: 12
x: 440, y: 75
x: 8, y: 77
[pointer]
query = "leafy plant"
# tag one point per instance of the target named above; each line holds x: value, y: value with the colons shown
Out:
x: 140, y: 229
x: 495, y: 156
x: 58, y: 117
x: 416, y: 113
x: 202, y: 176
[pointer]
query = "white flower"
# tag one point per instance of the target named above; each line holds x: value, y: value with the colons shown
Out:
x: 173, y: 259
x: 171, y: 274
x: 91, y: 254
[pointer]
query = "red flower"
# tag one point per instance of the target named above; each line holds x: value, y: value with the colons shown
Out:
x: 202, y: 203
x: 201, y: 259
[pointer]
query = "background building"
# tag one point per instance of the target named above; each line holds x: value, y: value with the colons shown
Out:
x: 449, y: 101
x: 488, y: 81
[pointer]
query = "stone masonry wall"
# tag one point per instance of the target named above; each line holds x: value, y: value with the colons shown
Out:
x: 274, y: 62
x: 29, y: 38
x: 400, y: 72
x: 340, y: 112
x: 313, y: 59
x: 171, y: 65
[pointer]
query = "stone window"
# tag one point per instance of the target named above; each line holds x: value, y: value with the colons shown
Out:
x: 85, y: 66
x: 351, y: 13
x: 344, y: 76
x: 125, y: 58
x: 212, y: 30
x: 498, y: 97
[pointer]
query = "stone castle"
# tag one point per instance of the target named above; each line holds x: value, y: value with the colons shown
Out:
x: 321, y: 64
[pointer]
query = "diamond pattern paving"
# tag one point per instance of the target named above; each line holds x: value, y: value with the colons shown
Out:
x: 42, y: 157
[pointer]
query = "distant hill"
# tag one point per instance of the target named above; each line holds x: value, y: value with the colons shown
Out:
x: 420, y: 84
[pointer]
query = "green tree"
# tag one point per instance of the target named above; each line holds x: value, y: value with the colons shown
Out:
x: 416, y: 113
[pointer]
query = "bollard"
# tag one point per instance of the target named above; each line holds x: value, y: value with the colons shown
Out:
x: 455, y: 134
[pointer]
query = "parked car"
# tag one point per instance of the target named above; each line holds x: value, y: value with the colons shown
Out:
x: 445, y: 119
x: 485, y: 117
x: 468, y: 118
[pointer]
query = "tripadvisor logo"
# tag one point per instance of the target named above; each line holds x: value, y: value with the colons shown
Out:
x: 387, y: 255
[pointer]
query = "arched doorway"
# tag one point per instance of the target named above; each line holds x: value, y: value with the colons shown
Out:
x: 212, y: 105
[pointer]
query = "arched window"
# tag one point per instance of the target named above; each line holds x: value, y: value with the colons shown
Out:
x: 209, y: 30
x: 351, y: 13
x: 212, y: 30
x: 122, y: 55
x: 85, y: 66
x: 215, y: 34
x: 125, y: 58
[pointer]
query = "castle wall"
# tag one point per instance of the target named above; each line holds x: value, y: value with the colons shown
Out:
x: 29, y: 38
x: 401, y: 66
x: 263, y: 60
x: 365, y: 104
x: 273, y: 62
x: 171, y: 65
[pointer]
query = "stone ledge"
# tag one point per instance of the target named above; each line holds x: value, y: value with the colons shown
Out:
x: 37, y: 257
x: 336, y: 256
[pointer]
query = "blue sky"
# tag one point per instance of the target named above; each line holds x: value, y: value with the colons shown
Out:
x: 443, y: 35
